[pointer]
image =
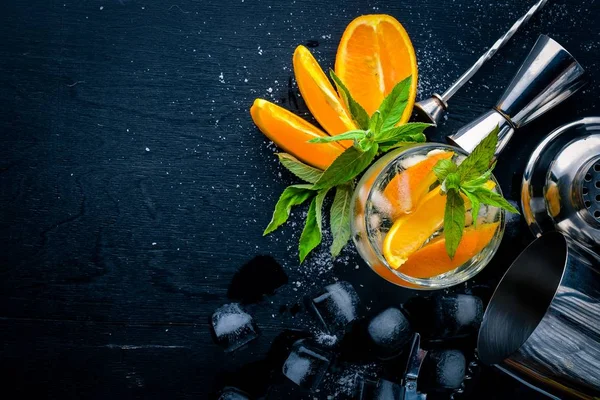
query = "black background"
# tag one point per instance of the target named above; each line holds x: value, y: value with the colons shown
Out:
x: 133, y: 183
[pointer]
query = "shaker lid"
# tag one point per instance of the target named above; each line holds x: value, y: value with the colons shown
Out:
x: 561, y: 183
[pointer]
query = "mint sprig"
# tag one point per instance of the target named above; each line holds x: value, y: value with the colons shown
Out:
x: 469, y: 180
x: 358, y: 113
x: 313, y: 228
x: 305, y: 172
x: 339, y: 217
x: 376, y: 134
x: 292, y: 196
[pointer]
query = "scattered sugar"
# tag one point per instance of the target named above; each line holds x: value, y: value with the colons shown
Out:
x: 342, y: 383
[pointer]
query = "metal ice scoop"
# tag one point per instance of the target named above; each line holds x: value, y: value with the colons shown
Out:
x: 432, y: 109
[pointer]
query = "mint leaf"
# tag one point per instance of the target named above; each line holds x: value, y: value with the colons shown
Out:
x: 410, y: 132
x: 394, y: 104
x: 475, y: 205
x: 313, y: 228
x: 291, y: 196
x: 339, y: 218
x: 443, y: 168
x: 452, y: 181
x: 480, y: 159
x: 494, y: 199
x: 350, y: 135
x: 454, y: 221
x: 298, y: 168
x: 477, y: 182
x: 346, y: 167
x: 358, y: 113
x: 365, y: 144
x: 375, y: 122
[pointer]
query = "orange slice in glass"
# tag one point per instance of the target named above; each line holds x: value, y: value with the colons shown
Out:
x: 409, y: 233
x: 405, y: 190
x: 375, y: 53
x: 432, y: 260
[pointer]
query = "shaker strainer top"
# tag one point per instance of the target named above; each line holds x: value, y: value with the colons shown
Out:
x: 590, y: 189
x: 561, y: 184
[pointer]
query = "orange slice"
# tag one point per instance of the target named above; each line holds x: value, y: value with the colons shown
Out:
x: 410, y: 232
x: 320, y: 96
x: 375, y: 53
x: 407, y: 188
x: 432, y: 260
x: 292, y: 134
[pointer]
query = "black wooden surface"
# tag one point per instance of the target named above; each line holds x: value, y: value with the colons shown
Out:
x: 133, y: 184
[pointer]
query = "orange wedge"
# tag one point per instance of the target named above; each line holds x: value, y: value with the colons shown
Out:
x: 432, y: 260
x: 292, y: 134
x: 410, y: 232
x: 375, y: 53
x: 320, y: 96
x: 407, y: 188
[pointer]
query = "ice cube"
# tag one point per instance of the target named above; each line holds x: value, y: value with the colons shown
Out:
x: 389, y: 331
x: 443, y: 370
x: 380, y: 389
x: 446, y: 316
x: 457, y: 315
x: 231, y: 393
x: 336, y: 306
x: 306, y: 365
x: 233, y: 327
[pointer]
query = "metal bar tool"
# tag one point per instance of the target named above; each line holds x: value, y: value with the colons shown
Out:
x: 548, y: 76
x: 432, y: 109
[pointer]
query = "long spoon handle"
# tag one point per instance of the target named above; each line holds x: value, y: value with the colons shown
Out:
x: 488, y: 54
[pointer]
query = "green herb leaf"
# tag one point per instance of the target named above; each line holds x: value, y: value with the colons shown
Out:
x: 350, y: 135
x: 452, y: 181
x: 475, y: 206
x: 313, y: 228
x: 477, y: 182
x: 365, y: 144
x: 375, y: 122
x: 346, y: 167
x: 291, y: 196
x: 298, y: 168
x: 410, y: 132
x: 358, y: 113
x: 480, y: 159
x: 494, y: 199
x: 339, y: 218
x: 443, y: 168
x: 394, y: 104
x: 454, y: 221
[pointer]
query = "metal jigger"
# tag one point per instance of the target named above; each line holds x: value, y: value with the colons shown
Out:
x: 548, y: 76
